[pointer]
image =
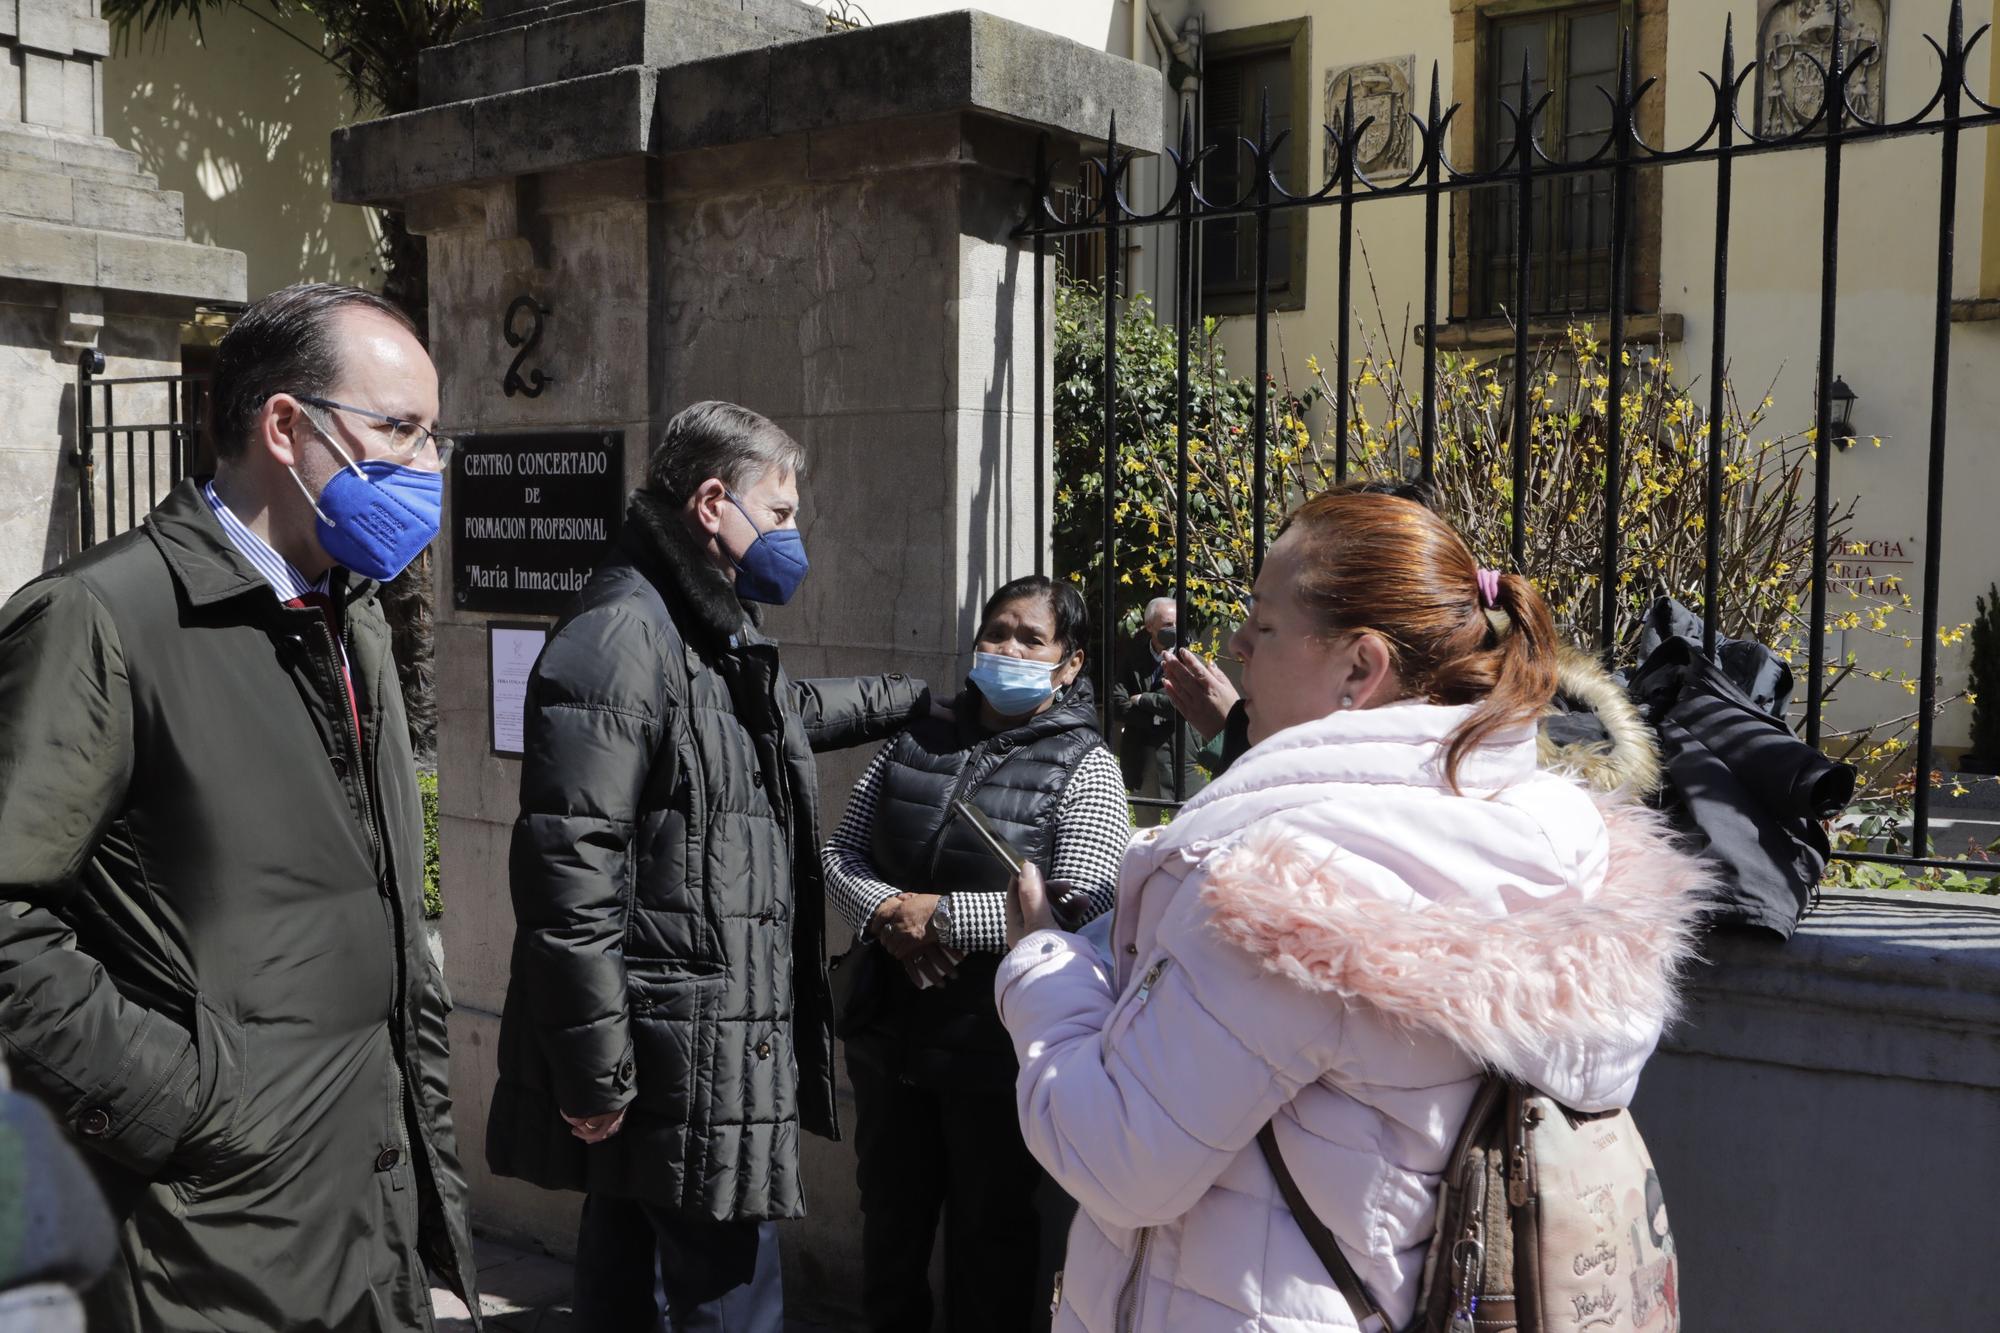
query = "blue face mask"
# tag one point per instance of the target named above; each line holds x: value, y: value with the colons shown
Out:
x: 773, y: 567
x: 1015, y: 686
x: 376, y: 516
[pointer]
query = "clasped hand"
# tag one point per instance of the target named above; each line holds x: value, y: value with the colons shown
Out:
x: 903, y: 925
x: 595, y: 1128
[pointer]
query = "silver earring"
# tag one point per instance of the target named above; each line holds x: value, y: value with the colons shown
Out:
x: 1347, y: 701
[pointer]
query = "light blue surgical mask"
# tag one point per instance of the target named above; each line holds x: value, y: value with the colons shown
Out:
x: 1015, y: 686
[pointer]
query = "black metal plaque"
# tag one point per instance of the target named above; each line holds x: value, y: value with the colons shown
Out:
x: 530, y: 516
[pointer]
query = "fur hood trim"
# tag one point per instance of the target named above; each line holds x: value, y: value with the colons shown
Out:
x: 1579, y: 973
x: 657, y: 533
x: 1628, y: 759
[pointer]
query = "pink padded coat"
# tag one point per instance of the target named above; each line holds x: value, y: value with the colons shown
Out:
x: 1330, y: 936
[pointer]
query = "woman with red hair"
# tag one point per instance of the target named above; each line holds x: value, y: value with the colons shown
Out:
x: 1384, y: 899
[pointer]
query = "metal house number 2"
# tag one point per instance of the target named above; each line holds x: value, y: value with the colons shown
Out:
x: 532, y: 386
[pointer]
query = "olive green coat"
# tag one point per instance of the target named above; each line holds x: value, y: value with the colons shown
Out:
x: 212, y: 956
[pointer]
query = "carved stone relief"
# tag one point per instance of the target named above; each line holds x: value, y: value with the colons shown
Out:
x: 1795, y: 49
x: 1382, y: 102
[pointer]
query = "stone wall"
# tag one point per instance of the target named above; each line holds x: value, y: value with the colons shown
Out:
x: 92, y: 254
x: 39, y: 525
x: 856, y: 287
x: 1824, y: 1122
x: 592, y: 272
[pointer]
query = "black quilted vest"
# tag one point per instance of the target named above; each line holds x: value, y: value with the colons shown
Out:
x: 951, y: 1034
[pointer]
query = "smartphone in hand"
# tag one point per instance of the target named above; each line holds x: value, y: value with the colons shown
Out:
x: 1065, y: 901
x: 989, y: 835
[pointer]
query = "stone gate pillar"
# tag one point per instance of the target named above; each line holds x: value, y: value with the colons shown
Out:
x: 93, y: 254
x: 724, y: 201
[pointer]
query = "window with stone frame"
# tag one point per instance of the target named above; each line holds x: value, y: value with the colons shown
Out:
x: 1572, y: 51
x: 1571, y: 55
x: 1241, y: 69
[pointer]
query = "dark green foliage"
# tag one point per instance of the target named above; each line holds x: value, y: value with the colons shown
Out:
x: 1219, y: 417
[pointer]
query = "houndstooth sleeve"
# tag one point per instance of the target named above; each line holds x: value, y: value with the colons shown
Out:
x: 1093, y: 826
x: 852, y: 885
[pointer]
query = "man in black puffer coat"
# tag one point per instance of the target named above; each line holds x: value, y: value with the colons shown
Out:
x: 668, y: 1024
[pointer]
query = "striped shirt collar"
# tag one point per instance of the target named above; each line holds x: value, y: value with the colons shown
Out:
x: 284, y: 578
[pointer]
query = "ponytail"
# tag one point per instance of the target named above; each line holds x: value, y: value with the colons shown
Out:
x: 1512, y: 673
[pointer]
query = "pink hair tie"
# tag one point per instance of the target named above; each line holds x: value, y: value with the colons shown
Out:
x: 1489, y: 588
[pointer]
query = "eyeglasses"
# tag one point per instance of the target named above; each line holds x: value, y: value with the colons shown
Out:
x: 408, y: 441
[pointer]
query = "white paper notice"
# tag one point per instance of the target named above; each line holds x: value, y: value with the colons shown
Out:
x: 513, y: 656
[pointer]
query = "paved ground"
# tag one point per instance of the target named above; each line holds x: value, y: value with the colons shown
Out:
x: 518, y: 1292
x: 523, y: 1292
x: 1961, y: 825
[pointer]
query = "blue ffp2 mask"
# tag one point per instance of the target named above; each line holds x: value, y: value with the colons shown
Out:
x: 376, y: 516
x: 378, y: 519
x: 773, y: 566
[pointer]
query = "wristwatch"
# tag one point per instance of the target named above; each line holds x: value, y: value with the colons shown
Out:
x: 941, y: 919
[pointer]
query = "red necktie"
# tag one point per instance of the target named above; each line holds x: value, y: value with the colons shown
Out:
x: 324, y: 605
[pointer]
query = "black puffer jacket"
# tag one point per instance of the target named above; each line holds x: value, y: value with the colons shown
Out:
x: 950, y: 1035
x: 669, y: 954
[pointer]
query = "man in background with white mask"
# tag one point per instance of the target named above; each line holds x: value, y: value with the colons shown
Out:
x: 212, y: 960
x: 668, y: 1026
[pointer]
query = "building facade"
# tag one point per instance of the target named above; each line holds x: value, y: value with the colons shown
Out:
x: 95, y: 266
x: 1224, y: 58
x: 238, y: 118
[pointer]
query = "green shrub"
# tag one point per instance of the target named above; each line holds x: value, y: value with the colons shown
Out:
x: 1219, y: 407
x: 1882, y: 824
x: 1766, y: 540
x: 1766, y: 550
x: 427, y: 787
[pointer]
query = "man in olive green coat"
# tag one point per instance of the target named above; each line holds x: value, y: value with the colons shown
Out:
x: 213, y: 966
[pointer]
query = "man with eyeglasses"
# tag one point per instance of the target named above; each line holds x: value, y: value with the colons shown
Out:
x: 213, y: 967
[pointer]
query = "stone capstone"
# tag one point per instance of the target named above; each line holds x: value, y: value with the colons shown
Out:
x: 675, y: 96
x: 552, y: 43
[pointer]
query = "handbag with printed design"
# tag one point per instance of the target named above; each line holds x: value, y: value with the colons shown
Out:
x: 1549, y: 1221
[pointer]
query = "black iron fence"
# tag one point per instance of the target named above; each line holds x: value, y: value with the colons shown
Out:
x: 1529, y: 177
x: 130, y: 453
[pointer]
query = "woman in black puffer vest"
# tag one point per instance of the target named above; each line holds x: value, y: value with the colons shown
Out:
x: 933, y: 1071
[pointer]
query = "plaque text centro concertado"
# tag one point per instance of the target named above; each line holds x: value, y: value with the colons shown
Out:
x: 530, y: 517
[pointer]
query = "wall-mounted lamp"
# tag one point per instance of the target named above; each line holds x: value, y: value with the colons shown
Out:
x: 1840, y: 399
